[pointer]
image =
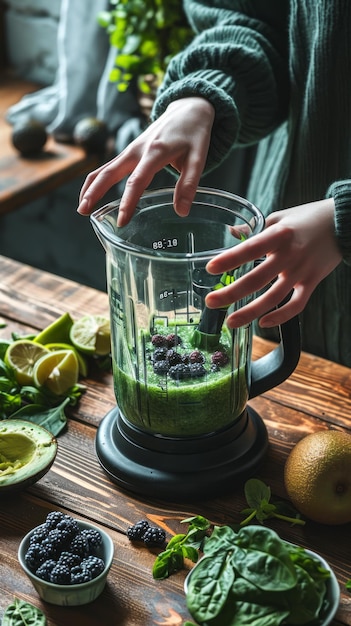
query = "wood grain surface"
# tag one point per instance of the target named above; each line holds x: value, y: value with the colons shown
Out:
x: 315, y: 397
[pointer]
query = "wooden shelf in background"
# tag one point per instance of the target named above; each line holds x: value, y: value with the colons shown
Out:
x: 23, y: 180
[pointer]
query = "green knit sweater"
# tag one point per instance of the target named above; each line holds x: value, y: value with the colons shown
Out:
x: 277, y: 73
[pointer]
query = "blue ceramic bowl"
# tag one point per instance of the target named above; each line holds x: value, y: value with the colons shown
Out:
x: 71, y: 595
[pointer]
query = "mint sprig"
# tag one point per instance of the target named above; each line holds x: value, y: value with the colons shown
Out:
x: 258, y: 497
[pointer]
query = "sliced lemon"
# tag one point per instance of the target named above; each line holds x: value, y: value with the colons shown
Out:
x: 57, y: 331
x: 21, y: 356
x: 91, y: 334
x: 58, y: 371
x: 82, y: 362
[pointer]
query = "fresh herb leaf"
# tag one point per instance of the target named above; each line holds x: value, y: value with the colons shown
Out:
x: 20, y: 613
x: 258, y: 497
x: 53, y: 419
x: 180, y: 547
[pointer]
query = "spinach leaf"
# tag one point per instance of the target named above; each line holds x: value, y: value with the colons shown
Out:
x: 20, y: 613
x: 209, y: 585
x: 305, y: 600
x: 53, y: 419
x: 221, y: 539
x: 263, y: 558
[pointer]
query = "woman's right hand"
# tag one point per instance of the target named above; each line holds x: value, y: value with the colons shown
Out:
x: 180, y: 137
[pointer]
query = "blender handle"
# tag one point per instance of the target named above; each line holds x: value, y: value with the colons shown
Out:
x: 276, y: 366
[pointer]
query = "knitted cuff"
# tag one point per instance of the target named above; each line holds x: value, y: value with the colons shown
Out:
x: 341, y: 192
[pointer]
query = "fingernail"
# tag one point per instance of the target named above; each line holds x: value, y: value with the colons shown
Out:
x: 83, y: 207
x: 182, y: 207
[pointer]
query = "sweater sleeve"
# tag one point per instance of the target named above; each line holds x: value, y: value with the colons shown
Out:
x: 237, y: 62
x: 341, y: 192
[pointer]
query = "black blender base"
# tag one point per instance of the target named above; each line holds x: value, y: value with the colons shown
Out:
x: 180, y: 470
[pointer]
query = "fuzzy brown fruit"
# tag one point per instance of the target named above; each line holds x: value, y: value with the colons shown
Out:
x: 317, y: 477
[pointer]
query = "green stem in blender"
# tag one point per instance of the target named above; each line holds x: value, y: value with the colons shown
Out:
x: 208, y: 332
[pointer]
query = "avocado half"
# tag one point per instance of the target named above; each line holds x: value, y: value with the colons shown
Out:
x: 27, y: 452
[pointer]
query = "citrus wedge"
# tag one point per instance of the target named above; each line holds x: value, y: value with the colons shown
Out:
x: 58, y: 371
x: 91, y: 334
x: 22, y: 356
x: 82, y: 361
x: 57, y: 331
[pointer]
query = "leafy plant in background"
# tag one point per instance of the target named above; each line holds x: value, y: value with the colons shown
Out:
x: 146, y: 35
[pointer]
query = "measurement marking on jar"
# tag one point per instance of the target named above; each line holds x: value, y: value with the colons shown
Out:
x: 164, y: 244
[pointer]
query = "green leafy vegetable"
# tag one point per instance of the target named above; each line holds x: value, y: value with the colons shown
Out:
x: 20, y: 613
x: 53, y: 419
x: 258, y: 496
x: 180, y: 547
x: 255, y: 578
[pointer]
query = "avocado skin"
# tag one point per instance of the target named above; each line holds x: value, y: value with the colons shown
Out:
x: 33, y: 445
x: 91, y: 134
x: 29, y: 137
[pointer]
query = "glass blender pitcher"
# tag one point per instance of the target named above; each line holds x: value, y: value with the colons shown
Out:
x: 182, y: 378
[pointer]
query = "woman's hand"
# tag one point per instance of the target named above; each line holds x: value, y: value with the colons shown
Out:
x: 300, y: 249
x: 180, y: 137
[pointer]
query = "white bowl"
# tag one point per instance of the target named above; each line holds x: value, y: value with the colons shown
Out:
x: 333, y: 589
x: 71, y: 595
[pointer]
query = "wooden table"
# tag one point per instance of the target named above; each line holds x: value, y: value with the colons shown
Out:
x: 25, y: 179
x: 315, y: 397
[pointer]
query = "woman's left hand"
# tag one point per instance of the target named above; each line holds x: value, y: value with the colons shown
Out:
x: 300, y: 249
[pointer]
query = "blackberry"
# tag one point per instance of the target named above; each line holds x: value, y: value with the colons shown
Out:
x: 68, y: 525
x: 78, y: 575
x: 161, y: 367
x: 154, y: 536
x: 53, y: 518
x: 60, y: 575
x: 80, y: 545
x: 215, y: 368
x: 159, y: 354
x: 197, y: 370
x: 180, y: 371
x: 196, y: 357
x: 173, y: 357
x: 158, y: 340
x: 219, y: 358
x: 173, y: 340
x: 94, y: 536
x: 49, y: 549
x: 138, y: 530
x: 45, y: 569
x: 34, y: 556
x: 94, y: 565
x: 39, y: 533
x: 69, y: 559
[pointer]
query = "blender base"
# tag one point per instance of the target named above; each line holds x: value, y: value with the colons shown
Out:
x: 173, y: 469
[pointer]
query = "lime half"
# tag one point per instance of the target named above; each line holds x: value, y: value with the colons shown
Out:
x: 82, y: 360
x: 22, y: 356
x: 91, y: 334
x: 57, y: 331
x: 58, y: 371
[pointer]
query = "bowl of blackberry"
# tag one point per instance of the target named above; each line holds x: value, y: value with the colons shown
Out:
x: 67, y: 560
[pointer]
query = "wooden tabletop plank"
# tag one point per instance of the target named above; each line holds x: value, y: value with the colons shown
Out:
x: 29, y: 299
x: 25, y: 179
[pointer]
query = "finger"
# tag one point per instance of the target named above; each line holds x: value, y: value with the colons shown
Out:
x: 187, y: 184
x: 294, y: 306
x: 247, y: 251
x: 255, y: 280
x: 101, y: 180
x: 261, y: 305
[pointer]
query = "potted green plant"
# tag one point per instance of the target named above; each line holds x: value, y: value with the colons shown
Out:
x: 146, y: 35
